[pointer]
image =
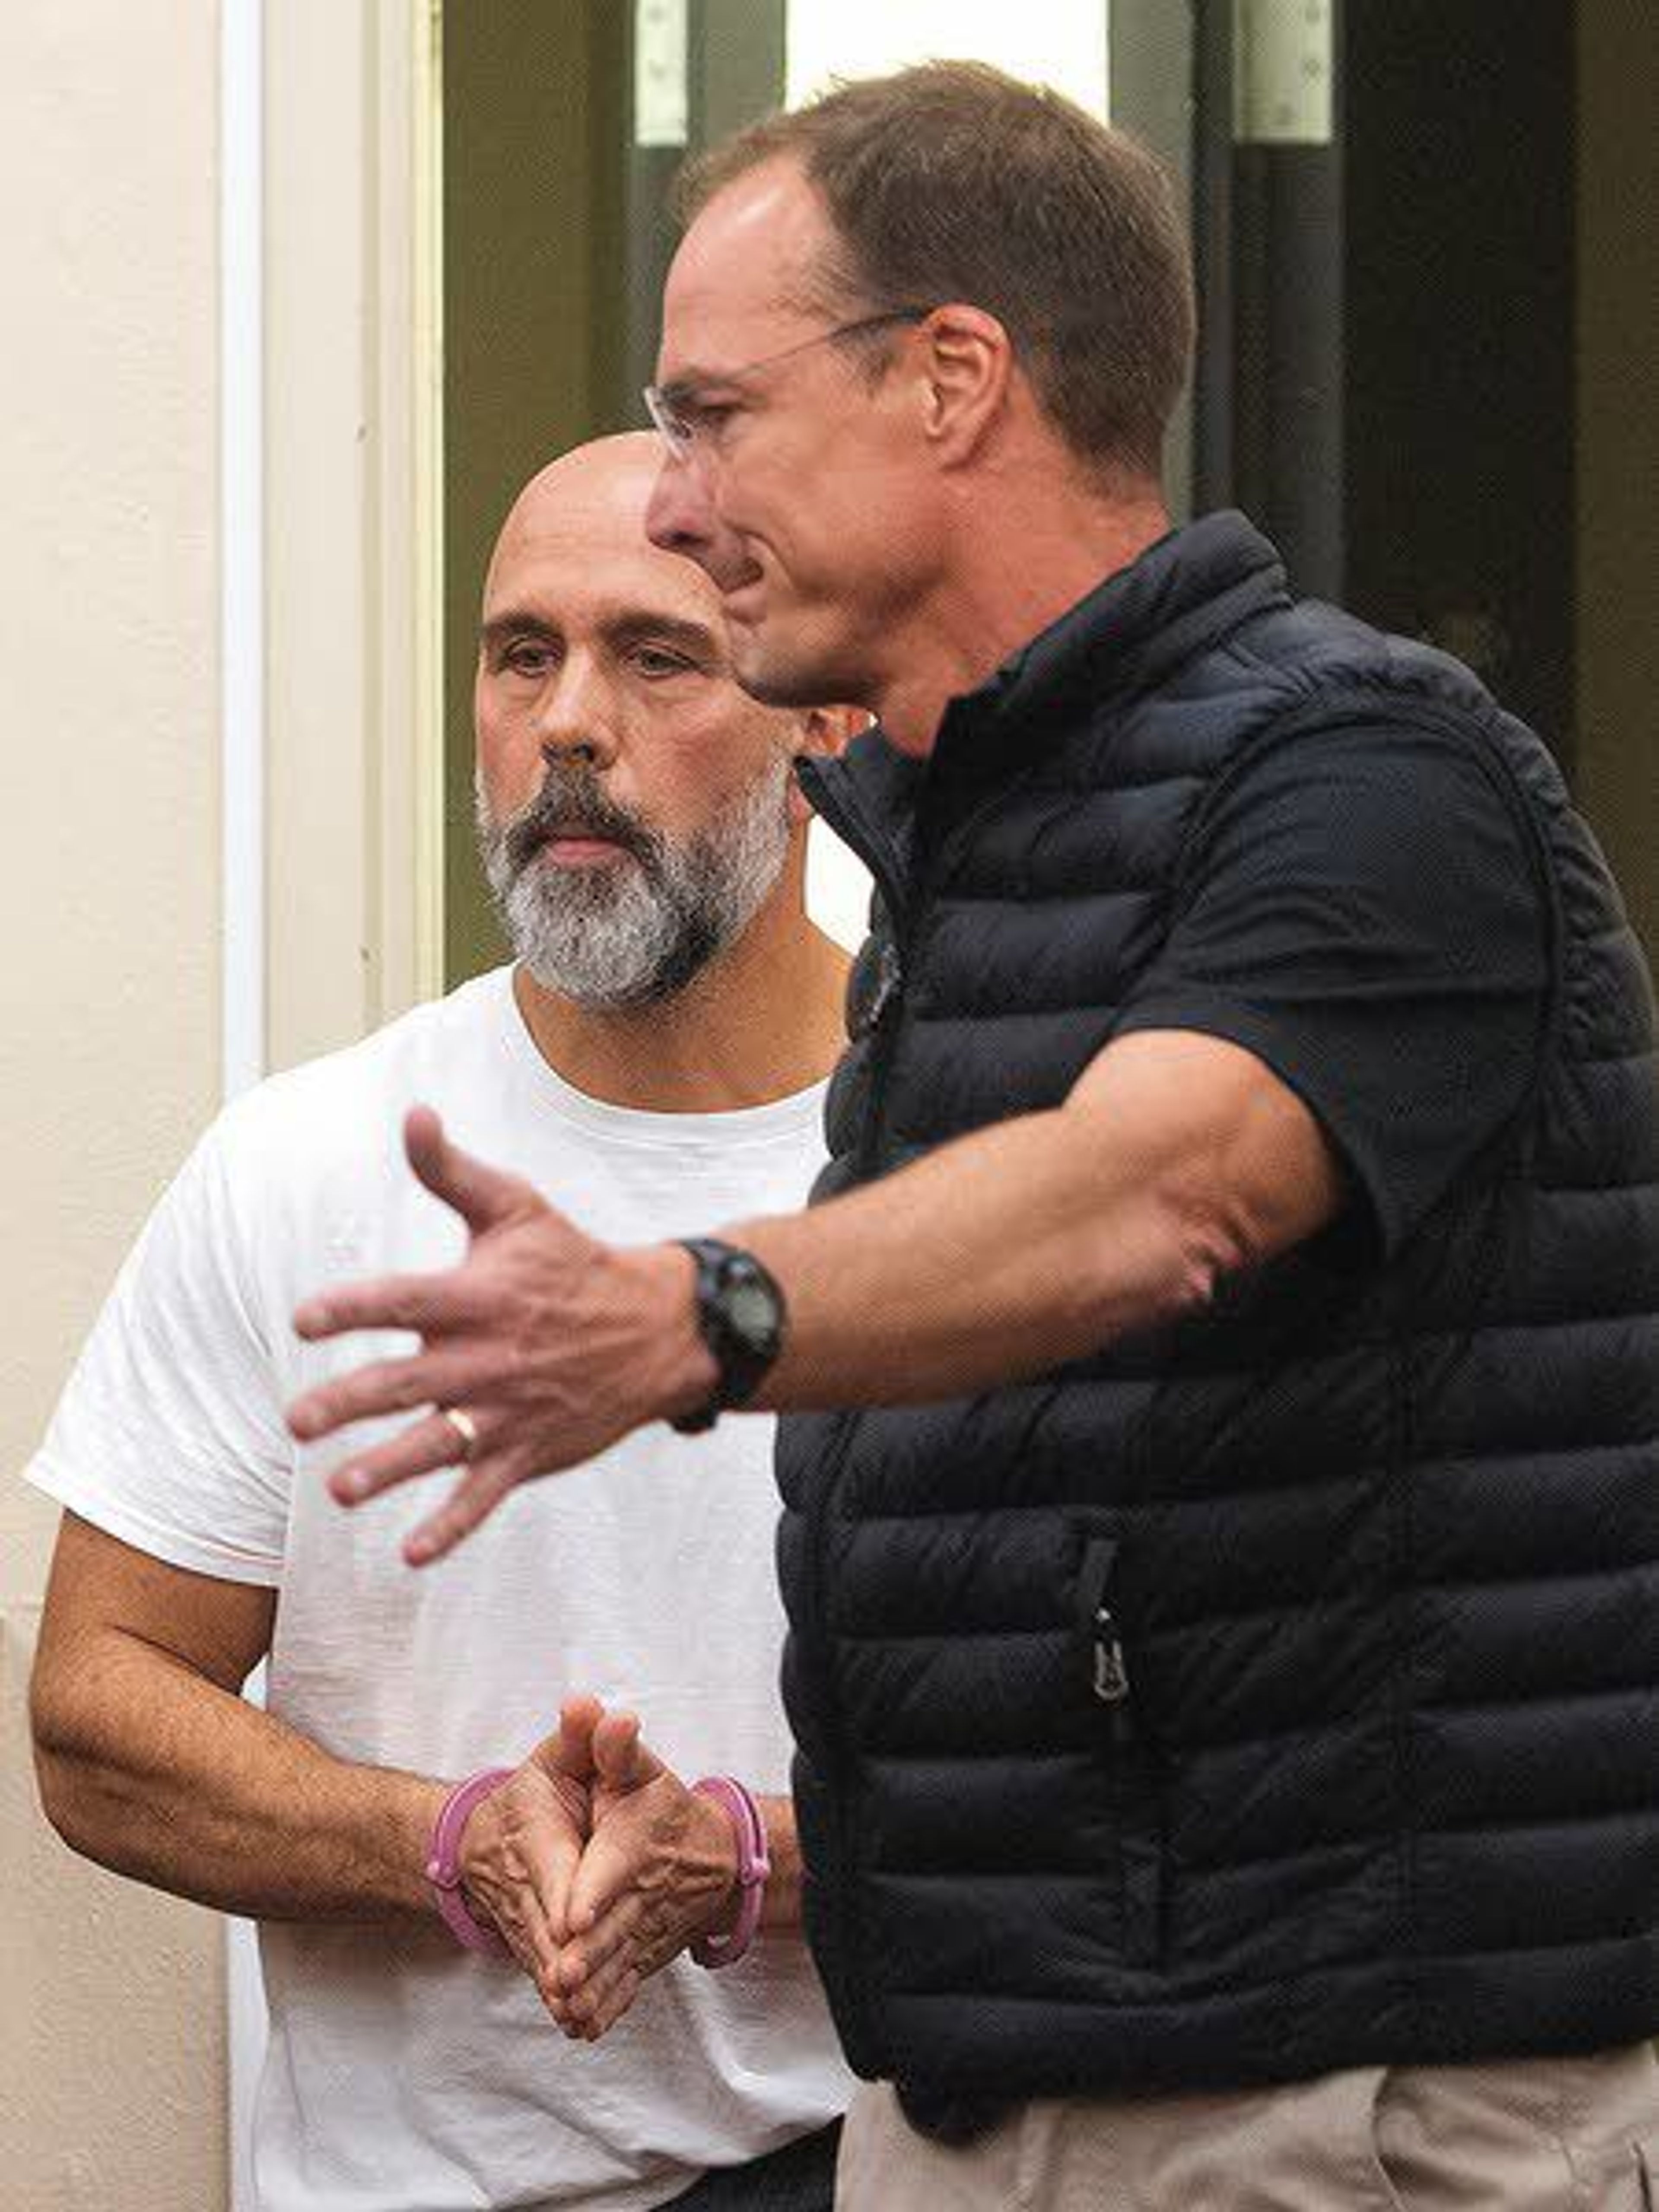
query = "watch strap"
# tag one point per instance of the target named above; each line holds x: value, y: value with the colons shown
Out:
x: 740, y: 1367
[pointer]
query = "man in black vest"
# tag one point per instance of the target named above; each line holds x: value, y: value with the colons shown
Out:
x: 1222, y: 1500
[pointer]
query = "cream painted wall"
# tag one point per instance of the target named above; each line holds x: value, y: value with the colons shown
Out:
x: 110, y: 2044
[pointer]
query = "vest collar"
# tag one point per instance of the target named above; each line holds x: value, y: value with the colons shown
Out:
x: 1181, y: 595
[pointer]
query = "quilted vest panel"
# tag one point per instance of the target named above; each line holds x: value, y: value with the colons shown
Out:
x: 1377, y: 1543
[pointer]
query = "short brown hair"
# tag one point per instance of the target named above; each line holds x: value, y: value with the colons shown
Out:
x: 951, y: 181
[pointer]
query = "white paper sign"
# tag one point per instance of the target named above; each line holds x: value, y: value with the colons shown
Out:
x: 659, y: 116
x: 1282, y: 67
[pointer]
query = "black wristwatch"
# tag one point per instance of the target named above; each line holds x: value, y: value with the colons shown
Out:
x: 742, y: 1318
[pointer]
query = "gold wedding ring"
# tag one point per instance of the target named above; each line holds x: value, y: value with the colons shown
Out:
x: 466, y: 1428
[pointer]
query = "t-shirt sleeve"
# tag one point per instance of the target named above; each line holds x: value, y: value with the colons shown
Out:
x: 169, y: 1434
x: 1362, y: 912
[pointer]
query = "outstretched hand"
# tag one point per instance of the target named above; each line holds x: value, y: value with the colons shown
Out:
x: 550, y: 1345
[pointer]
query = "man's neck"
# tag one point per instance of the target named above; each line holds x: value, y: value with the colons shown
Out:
x: 1055, y: 544
x: 760, y: 1023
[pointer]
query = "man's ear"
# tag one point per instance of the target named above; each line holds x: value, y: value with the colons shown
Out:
x: 824, y: 732
x: 968, y: 366
x: 828, y: 731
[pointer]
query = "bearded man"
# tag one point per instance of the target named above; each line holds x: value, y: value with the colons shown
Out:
x: 654, y: 1058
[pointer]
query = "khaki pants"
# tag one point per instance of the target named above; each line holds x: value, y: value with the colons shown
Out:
x: 1569, y: 2134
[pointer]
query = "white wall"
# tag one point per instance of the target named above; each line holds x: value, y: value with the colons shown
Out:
x: 111, y: 2041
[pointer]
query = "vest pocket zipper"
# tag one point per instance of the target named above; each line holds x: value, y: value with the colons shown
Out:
x: 1134, y: 1781
x: 1110, y: 1669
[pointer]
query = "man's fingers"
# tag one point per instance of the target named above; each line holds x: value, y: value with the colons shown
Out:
x: 595, y: 1970
x: 622, y: 1760
x: 614, y: 1932
x: 525, y: 1927
x: 565, y: 1759
x: 612, y: 1865
x: 518, y: 1855
x: 601, y: 1999
x: 421, y: 1449
x: 473, y: 1499
x: 390, y: 1386
x: 497, y: 1879
x: 427, y: 1306
x: 569, y: 1749
x: 628, y: 1988
x: 481, y: 1194
x: 552, y: 1850
x: 532, y: 1942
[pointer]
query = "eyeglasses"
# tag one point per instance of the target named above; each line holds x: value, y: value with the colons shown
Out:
x: 681, y: 417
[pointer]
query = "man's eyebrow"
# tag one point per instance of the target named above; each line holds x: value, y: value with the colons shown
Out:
x: 626, y: 626
x: 516, y: 621
x: 635, y: 625
x: 690, y: 384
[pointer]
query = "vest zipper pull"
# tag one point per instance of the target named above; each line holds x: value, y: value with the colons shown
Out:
x: 1110, y: 1679
x: 1111, y: 1673
x: 890, y: 984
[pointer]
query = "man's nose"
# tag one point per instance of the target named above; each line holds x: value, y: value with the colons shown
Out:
x: 678, y: 515
x: 573, y: 722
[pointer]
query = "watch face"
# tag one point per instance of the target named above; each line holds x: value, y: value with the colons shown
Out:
x: 753, y: 1312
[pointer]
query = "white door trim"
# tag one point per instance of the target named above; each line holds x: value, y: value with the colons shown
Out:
x: 331, y: 604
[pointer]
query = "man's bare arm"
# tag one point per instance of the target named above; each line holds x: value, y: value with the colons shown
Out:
x: 1177, y: 1159
x: 151, y: 1763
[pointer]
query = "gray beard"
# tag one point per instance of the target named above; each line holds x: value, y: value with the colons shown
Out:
x: 635, y: 931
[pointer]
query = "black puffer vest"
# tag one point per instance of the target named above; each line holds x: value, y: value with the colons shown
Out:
x: 1280, y: 1692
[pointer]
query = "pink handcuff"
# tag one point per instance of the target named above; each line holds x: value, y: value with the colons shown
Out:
x: 754, y: 1865
x: 443, y: 1868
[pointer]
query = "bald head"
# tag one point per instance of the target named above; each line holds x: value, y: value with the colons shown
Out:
x: 600, y: 488
x: 635, y: 803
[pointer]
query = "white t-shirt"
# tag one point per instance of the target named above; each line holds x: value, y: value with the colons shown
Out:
x: 405, y: 2075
